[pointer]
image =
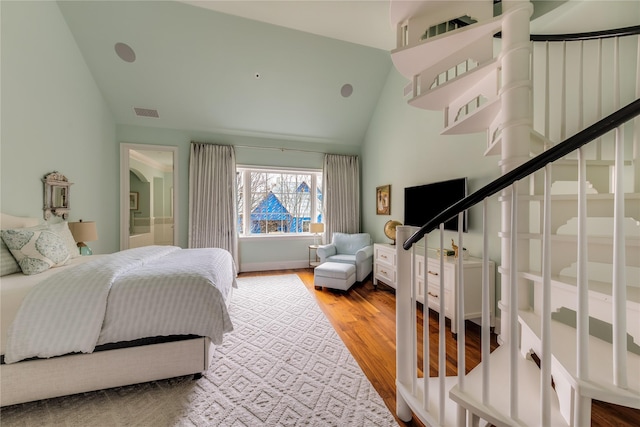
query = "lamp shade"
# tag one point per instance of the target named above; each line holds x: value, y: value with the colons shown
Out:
x: 316, y: 227
x: 83, y: 231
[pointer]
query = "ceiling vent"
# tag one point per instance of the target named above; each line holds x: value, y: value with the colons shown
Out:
x: 146, y: 112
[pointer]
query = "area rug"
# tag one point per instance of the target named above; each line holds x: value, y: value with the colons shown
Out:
x: 283, y: 365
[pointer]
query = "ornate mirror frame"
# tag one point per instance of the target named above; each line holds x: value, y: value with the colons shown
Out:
x: 57, y: 195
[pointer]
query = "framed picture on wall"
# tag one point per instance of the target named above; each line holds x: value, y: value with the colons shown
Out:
x: 133, y: 200
x: 383, y: 200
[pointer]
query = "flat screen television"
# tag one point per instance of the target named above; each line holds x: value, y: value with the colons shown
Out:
x: 424, y: 202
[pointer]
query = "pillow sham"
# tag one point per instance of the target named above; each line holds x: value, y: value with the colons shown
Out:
x: 9, y: 221
x: 35, y: 249
x: 63, y: 231
x: 8, y: 264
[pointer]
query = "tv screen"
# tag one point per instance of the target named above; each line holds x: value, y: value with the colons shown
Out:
x: 424, y: 202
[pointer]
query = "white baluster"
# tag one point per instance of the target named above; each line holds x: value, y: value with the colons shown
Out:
x: 545, y: 375
x: 513, y: 307
x: 486, y: 309
x: 442, y: 344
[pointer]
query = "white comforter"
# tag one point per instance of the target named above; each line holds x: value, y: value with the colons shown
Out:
x: 137, y: 293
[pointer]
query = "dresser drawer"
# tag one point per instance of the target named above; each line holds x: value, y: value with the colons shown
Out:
x: 385, y: 273
x: 435, y: 300
x: 434, y: 273
x: 384, y: 255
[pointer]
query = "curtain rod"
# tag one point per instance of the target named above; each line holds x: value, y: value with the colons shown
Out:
x: 279, y: 149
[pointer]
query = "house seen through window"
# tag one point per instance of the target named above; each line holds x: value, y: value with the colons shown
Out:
x: 278, y: 201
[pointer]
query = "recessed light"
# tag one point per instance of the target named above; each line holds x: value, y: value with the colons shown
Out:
x: 346, y: 90
x: 125, y: 52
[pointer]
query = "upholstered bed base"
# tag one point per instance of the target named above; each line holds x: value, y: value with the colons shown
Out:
x: 59, y: 376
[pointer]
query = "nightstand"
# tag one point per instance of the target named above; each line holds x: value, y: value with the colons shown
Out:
x: 313, y: 261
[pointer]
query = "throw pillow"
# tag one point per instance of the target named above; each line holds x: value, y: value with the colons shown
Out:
x: 8, y: 264
x: 35, y: 250
x: 62, y: 230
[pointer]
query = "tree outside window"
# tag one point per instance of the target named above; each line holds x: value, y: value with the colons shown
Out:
x: 278, y: 202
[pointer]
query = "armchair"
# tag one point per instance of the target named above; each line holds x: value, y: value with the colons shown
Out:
x: 356, y: 249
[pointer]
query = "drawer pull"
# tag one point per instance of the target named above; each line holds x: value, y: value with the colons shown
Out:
x: 383, y: 272
x: 432, y: 273
x: 433, y: 295
x: 383, y: 256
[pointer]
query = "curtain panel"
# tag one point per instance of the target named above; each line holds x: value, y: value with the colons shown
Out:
x: 212, y: 197
x: 341, y: 194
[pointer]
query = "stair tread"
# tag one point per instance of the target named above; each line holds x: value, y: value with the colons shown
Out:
x: 498, y: 409
x: 600, y: 385
x: 595, y: 286
x: 477, y: 121
x: 411, y: 60
x: 441, y: 96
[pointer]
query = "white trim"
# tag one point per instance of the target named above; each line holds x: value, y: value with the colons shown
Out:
x: 278, y: 265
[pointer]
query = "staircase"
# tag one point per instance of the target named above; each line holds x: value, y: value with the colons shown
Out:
x: 569, y: 197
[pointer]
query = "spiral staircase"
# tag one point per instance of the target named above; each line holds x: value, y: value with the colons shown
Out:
x: 570, y: 230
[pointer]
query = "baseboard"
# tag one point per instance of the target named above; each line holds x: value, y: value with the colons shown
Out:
x: 278, y: 265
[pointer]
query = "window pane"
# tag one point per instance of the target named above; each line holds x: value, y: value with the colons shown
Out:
x: 280, y: 202
x: 240, y: 201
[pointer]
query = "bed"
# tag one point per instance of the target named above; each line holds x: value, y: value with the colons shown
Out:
x: 81, y: 326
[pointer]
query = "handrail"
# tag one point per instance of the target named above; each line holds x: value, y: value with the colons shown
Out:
x: 556, y: 152
x: 603, y: 34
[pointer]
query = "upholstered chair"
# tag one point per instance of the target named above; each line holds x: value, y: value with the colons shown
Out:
x: 356, y: 249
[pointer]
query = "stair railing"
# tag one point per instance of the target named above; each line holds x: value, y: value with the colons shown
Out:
x: 411, y: 235
x: 553, y: 154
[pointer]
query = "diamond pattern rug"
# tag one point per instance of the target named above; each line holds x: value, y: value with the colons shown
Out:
x: 283, y: 365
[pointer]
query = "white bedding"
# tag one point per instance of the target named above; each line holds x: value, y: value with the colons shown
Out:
x: 145, y: 292
x: 15, y: 288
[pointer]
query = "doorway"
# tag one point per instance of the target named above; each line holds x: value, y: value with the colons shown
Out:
x: 148, y: 190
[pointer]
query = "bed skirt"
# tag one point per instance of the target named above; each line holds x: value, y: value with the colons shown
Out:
x: 78, y: 373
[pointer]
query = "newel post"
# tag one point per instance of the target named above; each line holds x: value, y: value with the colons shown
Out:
x: 404, y: 370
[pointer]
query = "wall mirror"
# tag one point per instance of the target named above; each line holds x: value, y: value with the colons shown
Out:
x: 56, y: 195
x: 148, y: 190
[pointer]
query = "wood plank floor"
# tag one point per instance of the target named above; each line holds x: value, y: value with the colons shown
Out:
x: 365, y: 320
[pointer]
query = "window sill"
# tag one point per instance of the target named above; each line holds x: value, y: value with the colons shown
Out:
x: 277, y: 236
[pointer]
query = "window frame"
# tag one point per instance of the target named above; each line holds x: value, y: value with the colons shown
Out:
x: 316, y: 205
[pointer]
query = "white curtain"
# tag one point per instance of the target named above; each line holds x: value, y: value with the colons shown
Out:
x: 341, y: 194
x: 212, y: 198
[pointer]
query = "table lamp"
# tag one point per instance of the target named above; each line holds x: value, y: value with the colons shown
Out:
x: 316, y: 228
x: 84, y: 231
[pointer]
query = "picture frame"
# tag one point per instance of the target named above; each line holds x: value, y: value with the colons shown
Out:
x: 133, y: 200
x: 383, y: 200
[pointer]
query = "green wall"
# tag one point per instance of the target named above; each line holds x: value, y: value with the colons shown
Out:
x: 260, y: 253
x: 403, y: 148
x: 54, y: 118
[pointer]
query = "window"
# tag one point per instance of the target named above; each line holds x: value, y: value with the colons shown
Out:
x: 278, y: 201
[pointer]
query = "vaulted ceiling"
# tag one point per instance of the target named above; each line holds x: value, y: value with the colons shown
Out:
x: 297, y: 70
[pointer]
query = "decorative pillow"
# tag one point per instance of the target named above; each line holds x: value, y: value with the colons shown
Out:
x: 8, y: 264
x: 62, y: 230
x: 35, y: 249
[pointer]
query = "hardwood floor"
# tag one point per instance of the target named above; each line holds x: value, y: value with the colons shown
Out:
x: 365, y: 320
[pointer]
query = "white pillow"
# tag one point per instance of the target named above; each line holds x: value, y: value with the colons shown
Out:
x: 35, y: 249
x: 62, y: 230
x: 10, y: 221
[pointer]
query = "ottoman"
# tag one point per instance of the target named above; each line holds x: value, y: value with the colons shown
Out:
x: 335, y: 275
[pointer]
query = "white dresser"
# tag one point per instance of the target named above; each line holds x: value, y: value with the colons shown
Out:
x: 472, y: 276
x: 385, y: 271
x: 384, y: 264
